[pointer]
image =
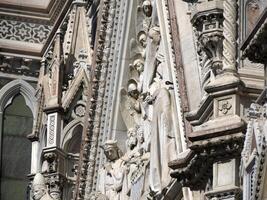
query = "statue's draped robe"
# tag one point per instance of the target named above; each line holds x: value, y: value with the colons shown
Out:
x: 109, y: 181
x: 162, y: 140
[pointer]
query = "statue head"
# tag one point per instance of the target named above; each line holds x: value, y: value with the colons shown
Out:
x: 154, y: 34
x: 133, y: 89
x: 139, y: 65
x: 142, y: 37
x: 132, y: 139
x: 147, y: 8
x: 38, y: 187
x: 111, y: 150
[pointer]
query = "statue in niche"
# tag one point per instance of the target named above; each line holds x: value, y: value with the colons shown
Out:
x: 112, y: 174
x: 39, y: 189
x: 136, y: 160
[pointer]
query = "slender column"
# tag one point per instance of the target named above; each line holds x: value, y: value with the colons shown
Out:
x: 35, y: 157
x: 229, y: 33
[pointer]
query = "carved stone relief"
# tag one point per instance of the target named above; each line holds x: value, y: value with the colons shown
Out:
x: 146, y: 109
x: 207, y: 25
x: 20, y: 66
x: 225, y: 107
x: 253, y: 11
x: 254, y: 153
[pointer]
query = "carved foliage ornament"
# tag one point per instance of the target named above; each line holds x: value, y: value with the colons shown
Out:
x: 209, y: 32
x: 224, y: 106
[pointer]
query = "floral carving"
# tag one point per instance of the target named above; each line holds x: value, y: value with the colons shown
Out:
x: 225, y: 106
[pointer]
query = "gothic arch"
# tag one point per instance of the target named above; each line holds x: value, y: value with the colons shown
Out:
x: 13, y: 88
x: 68, y: 132
x: 9, y: 95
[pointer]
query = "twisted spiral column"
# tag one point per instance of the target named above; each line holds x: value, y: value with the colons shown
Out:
x: 229, y: 33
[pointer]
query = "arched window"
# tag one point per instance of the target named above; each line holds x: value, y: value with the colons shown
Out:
x: 16, y: 150
x: 17, y: 109
x: 74, y: 144
x: 71, y: 144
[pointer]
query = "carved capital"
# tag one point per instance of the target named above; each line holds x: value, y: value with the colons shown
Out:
x: 55, y: 182
x: 207, y: 21
x: 51, y: 159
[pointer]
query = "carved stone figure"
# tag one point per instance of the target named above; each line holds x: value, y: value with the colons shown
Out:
x: 130, y: 105
x: 112, y: 174
x: 136, y: 160
x: 147, y: 8
x: 39, y: 189
x: 162, y: 143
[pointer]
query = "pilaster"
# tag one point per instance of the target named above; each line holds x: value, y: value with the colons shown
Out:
x: 225, y: 181
x: 53, y: 157
x: 211, y: 164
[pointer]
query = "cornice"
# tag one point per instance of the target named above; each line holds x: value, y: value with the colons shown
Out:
x: 28, y: 33
x: 46, y: 15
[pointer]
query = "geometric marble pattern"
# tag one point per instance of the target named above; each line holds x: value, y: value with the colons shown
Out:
x: 24, y: 31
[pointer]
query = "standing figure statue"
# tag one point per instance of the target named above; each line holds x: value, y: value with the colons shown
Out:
x: 163, y: 148
x: 112, y: 174
x: 39, y: 189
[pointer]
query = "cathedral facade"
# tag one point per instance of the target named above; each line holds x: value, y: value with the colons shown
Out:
x: 133, y: 99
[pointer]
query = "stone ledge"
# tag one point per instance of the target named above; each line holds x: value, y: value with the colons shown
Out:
x: 218, y: 127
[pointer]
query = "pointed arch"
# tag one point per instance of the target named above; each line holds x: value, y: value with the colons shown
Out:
x: 68, y: 131
x: 13, y: 88
x: 11, y: 95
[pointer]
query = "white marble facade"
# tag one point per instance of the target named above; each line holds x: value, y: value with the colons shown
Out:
x: 141, y: 99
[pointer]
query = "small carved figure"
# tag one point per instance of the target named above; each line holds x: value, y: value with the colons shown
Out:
x: 154, y: 34
x: 39, y: 189
x: 136, y: 160
x: 147, y: 8
x: 112, y: 174
x: 130, y: 105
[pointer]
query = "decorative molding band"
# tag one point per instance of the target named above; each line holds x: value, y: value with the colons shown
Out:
x: 24, y: 31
